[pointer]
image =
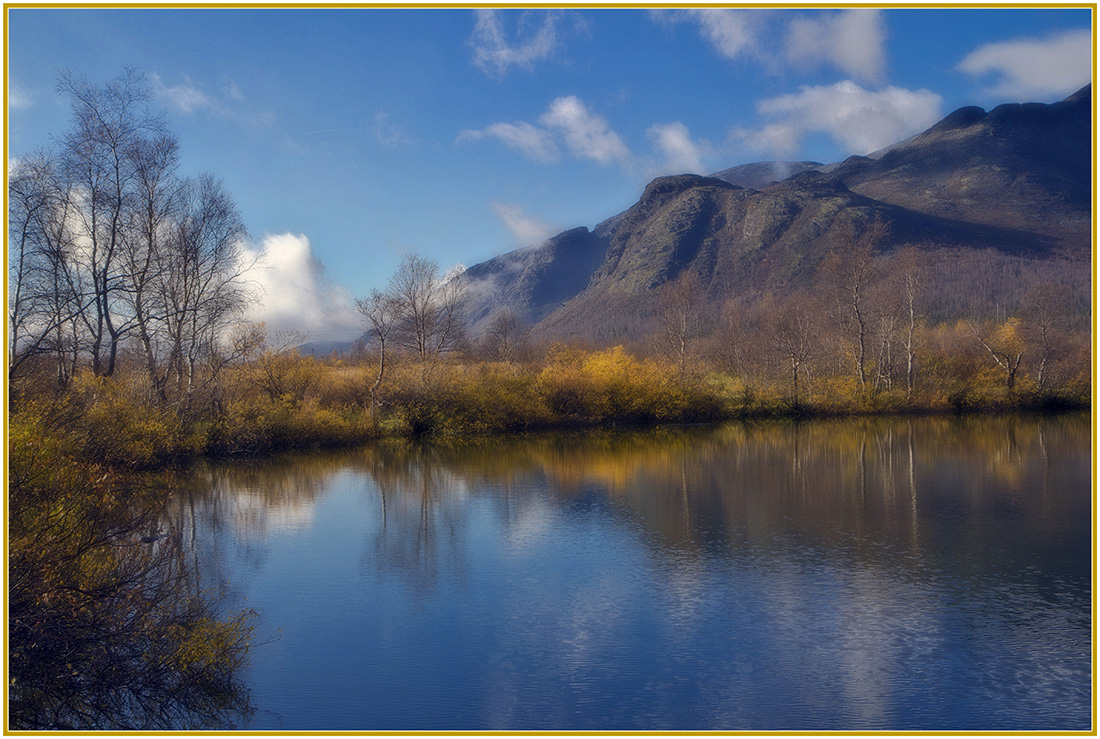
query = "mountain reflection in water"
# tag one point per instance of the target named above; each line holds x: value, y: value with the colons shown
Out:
x: 869, y: 574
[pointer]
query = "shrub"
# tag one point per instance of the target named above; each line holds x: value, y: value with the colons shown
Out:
x: 614, y: 387
x: 115, y: 426
x: 480, y: 398
x: 253, y: 425
x: 107, y: 626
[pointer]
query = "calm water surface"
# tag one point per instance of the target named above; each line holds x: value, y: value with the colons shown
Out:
x: 887, y: 574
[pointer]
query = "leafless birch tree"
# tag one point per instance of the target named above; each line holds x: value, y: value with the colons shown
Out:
x: 429, y: 321
x: 850, y: 271
x: 380, y: 311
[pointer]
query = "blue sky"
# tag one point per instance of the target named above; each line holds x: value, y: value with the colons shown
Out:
x: 351, y: 137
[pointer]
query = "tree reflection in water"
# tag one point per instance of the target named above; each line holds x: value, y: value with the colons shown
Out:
x: 108, y: 626
x: 422, y: 509
x: 822, y: 573
x: 834, y: 484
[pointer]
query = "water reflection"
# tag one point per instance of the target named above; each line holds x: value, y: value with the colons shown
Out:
x: 868, y: 574
x: 109, y: 628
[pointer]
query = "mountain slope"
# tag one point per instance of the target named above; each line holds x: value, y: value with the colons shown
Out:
x: 1003, y: 197
x: 1024, y: 166
x: 533, y: 281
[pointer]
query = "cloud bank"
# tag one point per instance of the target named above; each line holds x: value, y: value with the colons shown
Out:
x: 852, y: 41
x: 860, y: 120
x: 1039, y: 68
x: 292, y: 292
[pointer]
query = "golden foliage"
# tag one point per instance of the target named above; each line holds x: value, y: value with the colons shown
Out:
x: 107, y: 629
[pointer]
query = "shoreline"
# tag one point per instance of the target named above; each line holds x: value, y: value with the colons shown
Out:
x: 181, y: 458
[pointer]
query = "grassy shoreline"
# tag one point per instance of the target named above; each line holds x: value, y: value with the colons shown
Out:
x: 103, y: 423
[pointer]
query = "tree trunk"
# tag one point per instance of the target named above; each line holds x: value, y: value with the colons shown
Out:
x: 377, y: 383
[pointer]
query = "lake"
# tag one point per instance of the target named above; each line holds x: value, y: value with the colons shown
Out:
x: 870, y: 574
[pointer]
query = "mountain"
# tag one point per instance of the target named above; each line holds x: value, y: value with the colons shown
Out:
x: 534, y: 281
x: 1025, y: 167
x: 999, y: 199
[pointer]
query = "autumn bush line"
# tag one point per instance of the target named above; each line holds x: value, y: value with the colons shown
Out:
x: 283, y: 400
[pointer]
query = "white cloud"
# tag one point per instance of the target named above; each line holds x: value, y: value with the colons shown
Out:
x: 533, y: 142
x: 1034, y: 68
x: 852, y: 41
x: 525, y: 229
x: 494, y: 54
x: 588, y: 136
x: 680, y: 154
x: 860, y: 120
x: 732, y: 33
x: 566, y: 123
x: 293, y: 293
x: 185, y: 97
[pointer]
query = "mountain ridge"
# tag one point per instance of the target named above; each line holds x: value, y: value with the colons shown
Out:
x: 1013, y: 183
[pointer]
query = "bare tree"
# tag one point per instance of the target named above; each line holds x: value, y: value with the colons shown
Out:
x: 42, y: 301
x: 1004, y: 345
x: 792, y: 324
x: 107, y: 243
x: 204, y: 280
x: 888, y: 320
x: 146, y: 248
x: 732, y: 342
x: 381, y: 311
x: 507, y: 336
x: 429, y: 321
x: 99, y: 160
x: 850, y: 271
x: 910, y: 278
x: 678, y: 318
x: 1047, y: 315
x: 892, y: 301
